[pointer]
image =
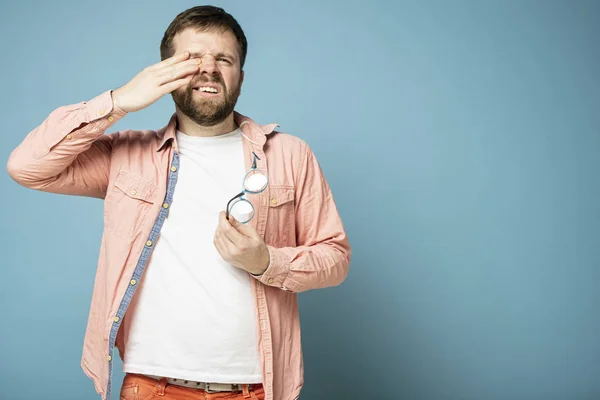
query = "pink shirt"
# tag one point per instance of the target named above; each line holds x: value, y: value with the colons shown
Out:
x: 135, y: 173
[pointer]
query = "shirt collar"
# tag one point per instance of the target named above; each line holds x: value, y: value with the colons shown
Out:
x: 253, y: 132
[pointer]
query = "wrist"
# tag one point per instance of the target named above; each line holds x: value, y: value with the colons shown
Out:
x: 265, y: 264
x: 261, y: 271
x: 117, y: 103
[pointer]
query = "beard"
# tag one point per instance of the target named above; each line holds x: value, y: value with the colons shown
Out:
x: 207, y: 112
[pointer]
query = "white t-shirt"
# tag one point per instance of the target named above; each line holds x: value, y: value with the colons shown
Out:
x: 193, y: 316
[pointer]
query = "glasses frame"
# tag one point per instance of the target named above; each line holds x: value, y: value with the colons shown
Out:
x: 240, y: 196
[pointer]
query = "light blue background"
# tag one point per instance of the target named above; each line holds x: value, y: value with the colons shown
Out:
x: 461, y: 140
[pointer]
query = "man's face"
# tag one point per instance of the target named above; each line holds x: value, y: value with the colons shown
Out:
x: 212, y: 94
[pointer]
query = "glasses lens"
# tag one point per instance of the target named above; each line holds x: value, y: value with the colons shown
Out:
x: 255, y: 182
x: 242, y: 211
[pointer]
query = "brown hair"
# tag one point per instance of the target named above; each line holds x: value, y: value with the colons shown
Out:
x: 203, y: 18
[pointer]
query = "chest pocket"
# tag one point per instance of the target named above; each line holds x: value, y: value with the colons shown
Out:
x: 282, y: 214
x: 127, y: 204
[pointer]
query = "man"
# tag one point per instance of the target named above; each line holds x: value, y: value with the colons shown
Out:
x: 196, y: 287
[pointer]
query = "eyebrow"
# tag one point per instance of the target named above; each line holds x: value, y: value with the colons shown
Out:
x: 218, y: 55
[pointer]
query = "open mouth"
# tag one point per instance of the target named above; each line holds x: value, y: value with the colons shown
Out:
x: 207, y: 90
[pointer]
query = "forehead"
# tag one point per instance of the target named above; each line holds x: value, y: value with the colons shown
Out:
x: 212, y: 41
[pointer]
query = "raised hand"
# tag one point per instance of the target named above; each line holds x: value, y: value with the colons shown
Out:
x: 155, y: 81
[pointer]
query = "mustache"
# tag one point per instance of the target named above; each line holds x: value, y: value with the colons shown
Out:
x: 216, y: 79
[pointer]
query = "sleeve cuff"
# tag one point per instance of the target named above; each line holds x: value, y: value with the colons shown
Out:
x: 98, y: 114
x: 103, y: 106
x: 276, y: 273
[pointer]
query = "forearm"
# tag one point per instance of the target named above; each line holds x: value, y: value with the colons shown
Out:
x: 68, y: 138
x: 303, y: 268
x: 322, y: 256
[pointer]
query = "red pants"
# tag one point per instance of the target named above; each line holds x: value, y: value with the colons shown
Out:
x: 140, y: 387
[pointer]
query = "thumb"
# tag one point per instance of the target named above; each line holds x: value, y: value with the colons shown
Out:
x: 241, y: 228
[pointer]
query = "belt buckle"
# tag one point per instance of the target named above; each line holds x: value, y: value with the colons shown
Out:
x: 234, y: 387
x: 207, y: 388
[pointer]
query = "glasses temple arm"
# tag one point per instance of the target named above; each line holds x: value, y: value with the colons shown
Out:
x: 229, y: 202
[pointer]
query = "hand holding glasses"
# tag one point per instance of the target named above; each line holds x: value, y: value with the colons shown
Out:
x: 255, y: 182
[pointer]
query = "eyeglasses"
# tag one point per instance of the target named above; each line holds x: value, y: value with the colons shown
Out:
x: 255, y: 181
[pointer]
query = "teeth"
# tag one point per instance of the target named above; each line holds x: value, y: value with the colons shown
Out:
x: 208, y: 89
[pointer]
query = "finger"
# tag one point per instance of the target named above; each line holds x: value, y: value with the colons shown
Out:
x: 230, y: 232
x: 218, y: 243
x: 226, y: 241
x: 176, y: 58
x: 174, y: 85
x: 242, y: 229
x: 224, y: 246
x: 168, y: 69
x: 174, y: 72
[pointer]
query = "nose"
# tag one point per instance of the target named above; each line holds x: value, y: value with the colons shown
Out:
x: 208, y: 65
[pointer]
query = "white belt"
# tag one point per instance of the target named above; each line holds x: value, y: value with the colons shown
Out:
x: 206, y: 386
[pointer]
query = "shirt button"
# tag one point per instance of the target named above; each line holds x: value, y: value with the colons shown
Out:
x: 149, y: 243
x: 273, y: 201
x: 111, y: 118
x: 102, y: 111
x: 173, y: 169
x: 69, y: 136
x: 117, y: 319
x: 270, y: 280
x: 109, y: 358
x: 133, y: 192
x: 166, y: 205
x: 133, y: 282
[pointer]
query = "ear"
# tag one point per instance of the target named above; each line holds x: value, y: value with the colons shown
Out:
x: 242, y: 74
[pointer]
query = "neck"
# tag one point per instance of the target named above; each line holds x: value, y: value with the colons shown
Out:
x: 191, y: 128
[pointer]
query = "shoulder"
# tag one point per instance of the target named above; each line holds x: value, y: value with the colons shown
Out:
x: 287, y: 145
